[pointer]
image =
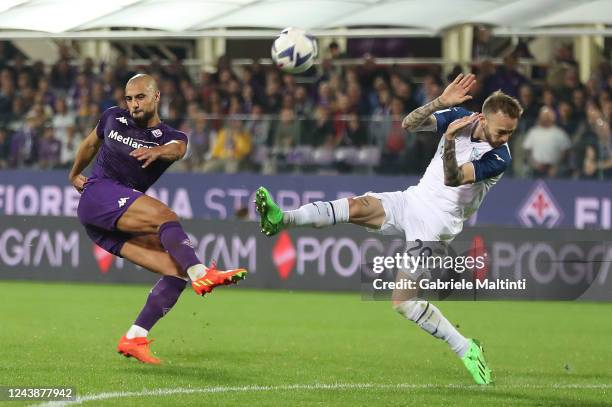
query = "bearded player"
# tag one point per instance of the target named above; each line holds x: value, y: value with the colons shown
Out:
x: 471, y: 157
x: 133, y: 148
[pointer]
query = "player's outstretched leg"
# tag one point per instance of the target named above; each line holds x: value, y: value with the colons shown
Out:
x: 317, y: 214
x: 149, y: 216
x: 429, y: 318
x: 160, y: 301
x: 203, y: 278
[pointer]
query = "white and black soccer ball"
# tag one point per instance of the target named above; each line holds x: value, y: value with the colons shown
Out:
x: 294, y: 51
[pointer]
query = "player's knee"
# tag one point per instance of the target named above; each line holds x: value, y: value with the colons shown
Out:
x: 164, y: 214
x: 356, y: 207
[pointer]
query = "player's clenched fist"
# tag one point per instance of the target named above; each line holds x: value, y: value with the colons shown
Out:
x: 148, y: 155
x: 78, y: 182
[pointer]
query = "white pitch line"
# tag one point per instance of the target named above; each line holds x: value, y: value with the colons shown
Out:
x: 319, y: 386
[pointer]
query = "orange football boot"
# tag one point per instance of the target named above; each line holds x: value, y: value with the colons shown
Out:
x: 137, y: 348
x: 214, y: 277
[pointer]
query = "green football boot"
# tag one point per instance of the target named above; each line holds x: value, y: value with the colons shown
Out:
x: 476, y: 364
x: 271, y: 215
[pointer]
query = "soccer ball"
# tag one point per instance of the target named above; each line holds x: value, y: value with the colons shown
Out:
x: 294, y: 51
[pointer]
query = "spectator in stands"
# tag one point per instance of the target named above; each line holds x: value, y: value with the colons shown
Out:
x: 49, y: 149
x: 354, y: 98
x: 322, y: 130
x: 287, y: 132
x: 25, y: 89
x: 567, y: 121
x: 201, y: 136
x: 86, y: 119
x: 44, y: 91
x: 334, y: 51
x: 506, y: 77
x: 579, y: 103
x: 247, y: 98
x: 62, y: 75
x: 380, y: 121
x: 303, y: 104
x: 395, y: 141
x: 24, y: 144
x: 530, y: 106
x: 549, y: 100
x: 272, y: 100
x: 121, y: 72
x: 7, y: 94
x: 69, y: 149
x: 325, y: 96
x: 63, y: 121
x: 5, y: 148
x: 547, y: 146
x: 569, y: 84
x: 354, y: 134
x: 482, y: 47
x: 78, y: 89
x: 562, y: 61
x: 429, y: 90
x: 16, y: 117
x: 230, y: 149
x: 258, y: 126
x: 597, y: 161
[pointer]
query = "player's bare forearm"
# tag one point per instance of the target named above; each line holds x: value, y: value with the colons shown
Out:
x: 172, y: 151
x: 419, y: 116
x: 453, y: 176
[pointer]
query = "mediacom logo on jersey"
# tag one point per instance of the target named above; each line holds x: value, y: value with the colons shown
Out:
x: 130, y: 141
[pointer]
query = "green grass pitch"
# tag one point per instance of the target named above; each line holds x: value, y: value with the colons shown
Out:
x: 251, y: 347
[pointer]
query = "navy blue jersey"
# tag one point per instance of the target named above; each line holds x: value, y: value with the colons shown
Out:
x: 447, y: 116
x: 492, y: 163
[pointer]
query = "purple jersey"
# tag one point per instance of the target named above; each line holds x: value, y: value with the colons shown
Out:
x: 121, y: 136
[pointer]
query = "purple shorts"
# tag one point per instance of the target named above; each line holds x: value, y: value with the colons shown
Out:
x: 102, y: 203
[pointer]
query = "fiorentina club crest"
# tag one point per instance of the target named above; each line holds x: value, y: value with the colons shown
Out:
x: 103, y: 258
x: 283, y: 255
x: 540, y: 208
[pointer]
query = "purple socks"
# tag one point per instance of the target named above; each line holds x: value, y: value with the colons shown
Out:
x: 176, y: 242
x: 161, y: 299
x: 166, y: 292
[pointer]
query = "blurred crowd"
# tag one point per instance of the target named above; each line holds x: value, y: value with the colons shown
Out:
x: 335, y: 119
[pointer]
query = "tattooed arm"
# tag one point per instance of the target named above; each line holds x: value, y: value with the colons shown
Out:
x: 453, y: 174
x: 422, y: 119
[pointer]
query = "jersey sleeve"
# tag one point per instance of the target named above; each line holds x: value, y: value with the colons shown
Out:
x: 102, y: 122
x: 178, y: 136
x: 492, y: 163
x: 447, y: 116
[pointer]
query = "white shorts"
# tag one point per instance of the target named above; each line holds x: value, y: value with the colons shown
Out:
x: 409, y: 216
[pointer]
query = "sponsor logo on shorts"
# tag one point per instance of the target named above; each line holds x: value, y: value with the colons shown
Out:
x: 122, y: 201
